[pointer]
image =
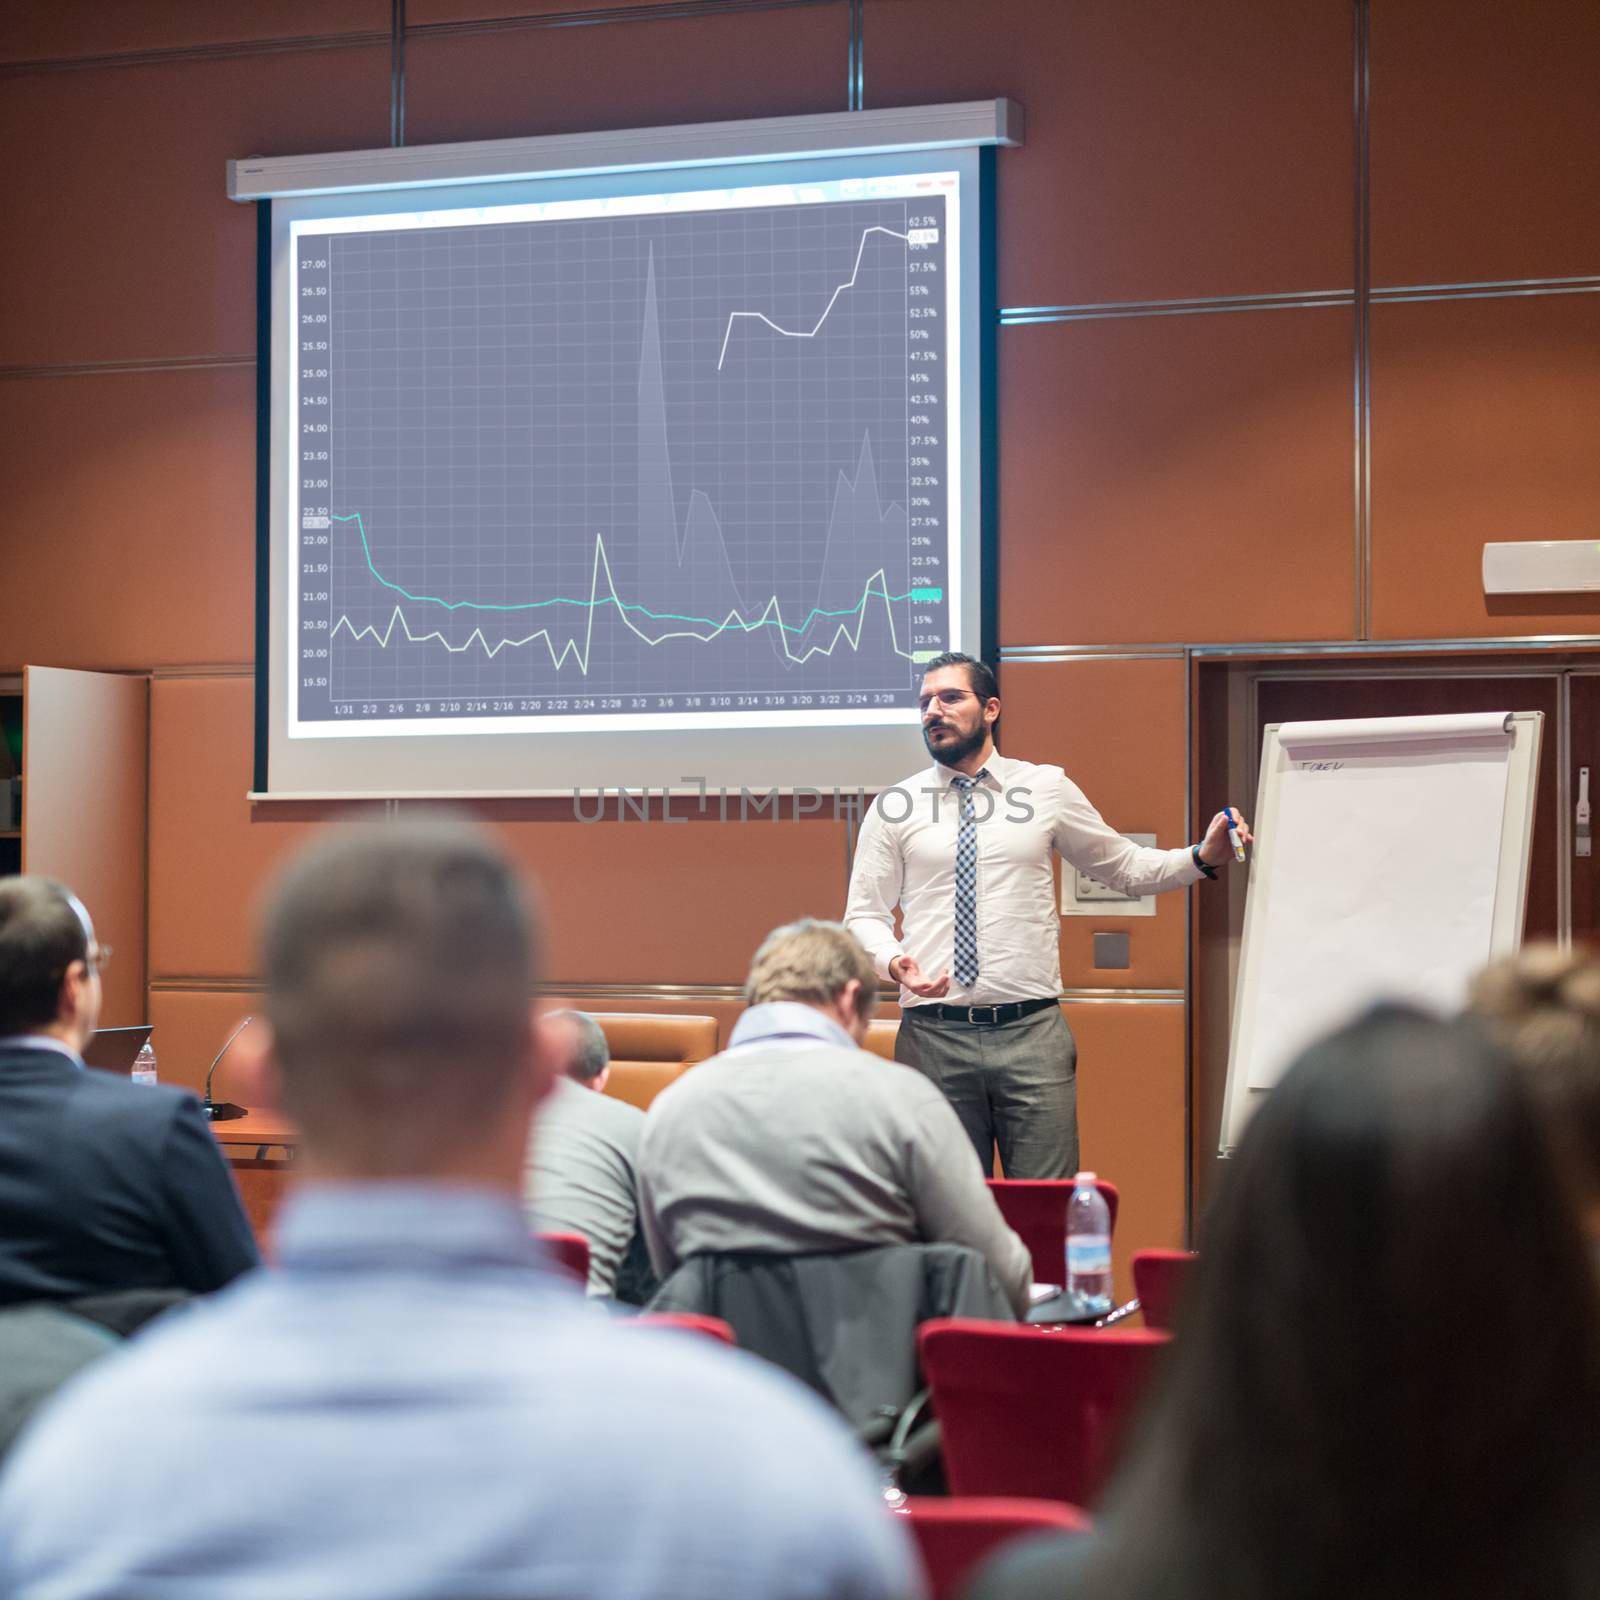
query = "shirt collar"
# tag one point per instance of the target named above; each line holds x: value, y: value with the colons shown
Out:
x: 788, y: 1019
x: 402, y: 1224
x: 994, y: 768
x: 43, y: 1041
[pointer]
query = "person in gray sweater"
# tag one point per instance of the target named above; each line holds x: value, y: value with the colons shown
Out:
x: 581, y: 1170
x: 796, y: 1141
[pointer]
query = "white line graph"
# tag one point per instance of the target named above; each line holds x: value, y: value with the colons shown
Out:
x: 802, y: 333
x: 580, y: 653
x: 756, y: 540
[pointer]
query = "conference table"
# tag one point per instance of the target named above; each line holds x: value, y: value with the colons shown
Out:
x: 260, y: 1148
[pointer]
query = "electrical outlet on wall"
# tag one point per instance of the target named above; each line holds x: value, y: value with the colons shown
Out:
x: 1085, y: 896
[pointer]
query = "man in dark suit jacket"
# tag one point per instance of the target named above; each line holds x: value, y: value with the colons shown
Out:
x: 104, y: 1184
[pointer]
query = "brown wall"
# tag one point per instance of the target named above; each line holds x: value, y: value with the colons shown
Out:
x: 1281, y: 376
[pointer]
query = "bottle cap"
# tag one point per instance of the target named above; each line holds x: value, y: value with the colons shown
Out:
x: 1084, y: 1177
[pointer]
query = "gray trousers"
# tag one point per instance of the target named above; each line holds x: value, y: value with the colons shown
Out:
x: 1013, y: 1084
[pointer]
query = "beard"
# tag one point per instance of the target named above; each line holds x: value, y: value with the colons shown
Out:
x: 956, y: 750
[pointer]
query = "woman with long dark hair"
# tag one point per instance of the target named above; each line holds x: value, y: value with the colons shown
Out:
x: 1386, y: 1381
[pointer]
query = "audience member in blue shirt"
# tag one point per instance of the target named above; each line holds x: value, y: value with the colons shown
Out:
x: 414, y: 1404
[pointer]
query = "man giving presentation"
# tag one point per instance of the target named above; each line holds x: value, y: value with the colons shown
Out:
x: 963, y: 848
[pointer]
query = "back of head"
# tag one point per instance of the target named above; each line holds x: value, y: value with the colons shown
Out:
x: 1387, y: 1381
x: 591, y: 1053
x: 42, y: 932
x: 1544, y: 1006
x: 399, y: 960
x: 812, y: 962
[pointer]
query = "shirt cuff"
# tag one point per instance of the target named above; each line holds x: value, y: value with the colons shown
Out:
x: 882, y: 960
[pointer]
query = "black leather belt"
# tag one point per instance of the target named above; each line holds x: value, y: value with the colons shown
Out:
x: 986, y: 1016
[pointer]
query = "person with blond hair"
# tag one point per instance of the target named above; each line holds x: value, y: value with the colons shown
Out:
x: 796, y: 1141
x: 1544, y: 1006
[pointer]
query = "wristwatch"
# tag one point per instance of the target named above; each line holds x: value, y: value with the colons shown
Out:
x: 1209, y: 871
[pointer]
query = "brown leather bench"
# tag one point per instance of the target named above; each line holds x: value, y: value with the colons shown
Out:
x: 880, y: 1037
x: 649, y: 1050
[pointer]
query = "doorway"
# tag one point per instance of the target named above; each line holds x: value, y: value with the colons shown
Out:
x: 1234, y: 701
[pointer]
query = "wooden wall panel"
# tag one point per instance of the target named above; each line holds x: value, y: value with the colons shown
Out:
x: 573, y: 80
x: 188, y: 1028
x: 724, y: 1007
x: 1484, y: 428
x: 51, y: 30
x: 435, y: 13
x: 1177, y: 479
x: 675, y: 903
x: 85, y: 748
x: 1485, y: 122
x: 129, y: 518
x: 640, y: 902
x: 208, y: 860
x: 1117, y: 729
x: 1172, y: 149
x: 1131, y: 1118
x: 117, y: 181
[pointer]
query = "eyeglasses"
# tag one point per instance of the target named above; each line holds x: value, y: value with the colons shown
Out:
x: 100, y: 958
x: 945, y: 697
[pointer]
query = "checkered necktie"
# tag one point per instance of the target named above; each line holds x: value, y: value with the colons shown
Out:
x: 966, y: 951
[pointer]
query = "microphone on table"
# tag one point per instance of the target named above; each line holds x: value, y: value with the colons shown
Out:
x: 227, y: 1111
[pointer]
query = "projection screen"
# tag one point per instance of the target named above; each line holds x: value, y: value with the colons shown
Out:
x: 652, y: 460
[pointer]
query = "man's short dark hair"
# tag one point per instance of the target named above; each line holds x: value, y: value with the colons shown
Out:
x: 41, y: 935
x: 400, y: 960
x: 980, y: 678
x: 594, y: 1052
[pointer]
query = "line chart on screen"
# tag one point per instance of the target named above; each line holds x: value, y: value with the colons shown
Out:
x: 690, y: 456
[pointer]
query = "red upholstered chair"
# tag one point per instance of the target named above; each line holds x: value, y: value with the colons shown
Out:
x: 1159, y: 1277
x: 571, y: 1252
x: 690, y: 1321
x: 957, y: 1535
x: 1036, y: 1209
x: 1033, y: 1411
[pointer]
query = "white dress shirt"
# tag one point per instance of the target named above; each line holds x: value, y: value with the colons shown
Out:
x: 45, y: 1041
x: 906, y: 856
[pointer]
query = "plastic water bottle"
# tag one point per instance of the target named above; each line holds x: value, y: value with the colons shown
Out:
x: 144, y: 1064
x: 1088, y: 1246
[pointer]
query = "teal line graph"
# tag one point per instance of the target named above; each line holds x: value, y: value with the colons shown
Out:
x: 771, y: 615
x: 623, y: 605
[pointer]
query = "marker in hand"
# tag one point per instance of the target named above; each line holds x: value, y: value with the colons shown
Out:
x: 1233, y: 832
